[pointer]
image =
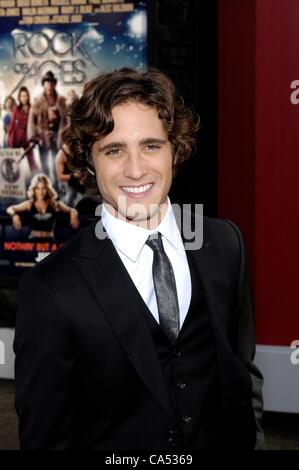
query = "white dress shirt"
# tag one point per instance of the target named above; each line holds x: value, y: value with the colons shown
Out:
x: 137, y: 257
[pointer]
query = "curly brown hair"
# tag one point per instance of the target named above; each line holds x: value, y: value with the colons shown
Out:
x: 91, y: 116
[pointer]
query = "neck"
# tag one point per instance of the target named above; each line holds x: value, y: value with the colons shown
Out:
x: 50, y: 96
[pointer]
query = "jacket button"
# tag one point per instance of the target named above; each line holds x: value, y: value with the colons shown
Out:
x: 176, y: 353
x: 181, y: 385
x: 187, y: 419
x: 171, y: 436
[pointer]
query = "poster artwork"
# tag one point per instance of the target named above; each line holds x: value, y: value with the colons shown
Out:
x: 48, y: 50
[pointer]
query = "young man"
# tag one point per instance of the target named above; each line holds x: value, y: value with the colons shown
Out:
x: 47, y: 119
x: 127, y: 340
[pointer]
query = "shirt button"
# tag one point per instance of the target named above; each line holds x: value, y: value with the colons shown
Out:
x: 181, y: 385
x: 187, y: 419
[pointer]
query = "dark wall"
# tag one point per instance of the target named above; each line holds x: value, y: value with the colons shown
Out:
x: 183, y: 43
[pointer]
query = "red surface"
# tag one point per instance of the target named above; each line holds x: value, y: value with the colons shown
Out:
x: 259, y: 153
x: 236, y: 115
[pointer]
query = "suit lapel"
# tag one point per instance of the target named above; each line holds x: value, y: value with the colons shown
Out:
x: 215, y: 280
x: 106, y: 276
x: 214, y: 277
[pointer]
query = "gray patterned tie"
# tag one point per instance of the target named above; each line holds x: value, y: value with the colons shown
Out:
x: 165, y: 288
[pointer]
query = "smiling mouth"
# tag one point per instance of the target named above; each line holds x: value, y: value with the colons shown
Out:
x: 137, y: 189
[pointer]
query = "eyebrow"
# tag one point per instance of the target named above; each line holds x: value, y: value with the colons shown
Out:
x: 147, y: 141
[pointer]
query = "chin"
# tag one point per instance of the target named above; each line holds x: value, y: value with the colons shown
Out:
x: 138, y: 216
x: 149, y: 219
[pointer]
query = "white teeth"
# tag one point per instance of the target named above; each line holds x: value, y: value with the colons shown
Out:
x: 135, y: 189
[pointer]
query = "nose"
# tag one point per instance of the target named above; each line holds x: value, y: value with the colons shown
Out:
x: 135, y: 166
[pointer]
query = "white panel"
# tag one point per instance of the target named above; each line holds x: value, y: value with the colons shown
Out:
x: 7, y: 356
x: 281, y: 376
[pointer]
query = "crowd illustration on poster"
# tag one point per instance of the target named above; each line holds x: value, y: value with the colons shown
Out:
x: 48, y: 50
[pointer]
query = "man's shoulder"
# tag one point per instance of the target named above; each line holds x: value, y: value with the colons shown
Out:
x: 223, y: 232
x: 218, y: 226
x: 59, y: 263
x: 214, y: 228
x: 61, y: 100
x: 39, y: 101
x: 227, y: 239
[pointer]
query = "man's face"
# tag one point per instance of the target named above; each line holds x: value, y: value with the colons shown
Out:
x: 133, y: 165
x: 49, y: 87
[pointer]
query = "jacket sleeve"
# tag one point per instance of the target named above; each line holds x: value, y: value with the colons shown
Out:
x: 43, y: 365
x: 245, y: 338
x: 11, y: 129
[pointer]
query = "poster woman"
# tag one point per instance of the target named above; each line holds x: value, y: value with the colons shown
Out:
x: 17, y: 130
x: 42, y: 207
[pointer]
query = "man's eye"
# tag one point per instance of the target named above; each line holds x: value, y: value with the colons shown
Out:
x: 152, y: 147
x: 114, y: 152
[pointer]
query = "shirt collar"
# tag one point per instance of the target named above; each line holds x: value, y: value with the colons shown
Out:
x: 130, y: 239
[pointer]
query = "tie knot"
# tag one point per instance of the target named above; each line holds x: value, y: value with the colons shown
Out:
x: 155, y: 242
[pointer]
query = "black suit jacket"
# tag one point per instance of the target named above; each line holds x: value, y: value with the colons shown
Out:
x: 87, y: 372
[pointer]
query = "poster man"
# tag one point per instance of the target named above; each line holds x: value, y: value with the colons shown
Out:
x: 47, y: 119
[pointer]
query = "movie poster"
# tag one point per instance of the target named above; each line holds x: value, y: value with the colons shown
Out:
x: 48, y: 50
